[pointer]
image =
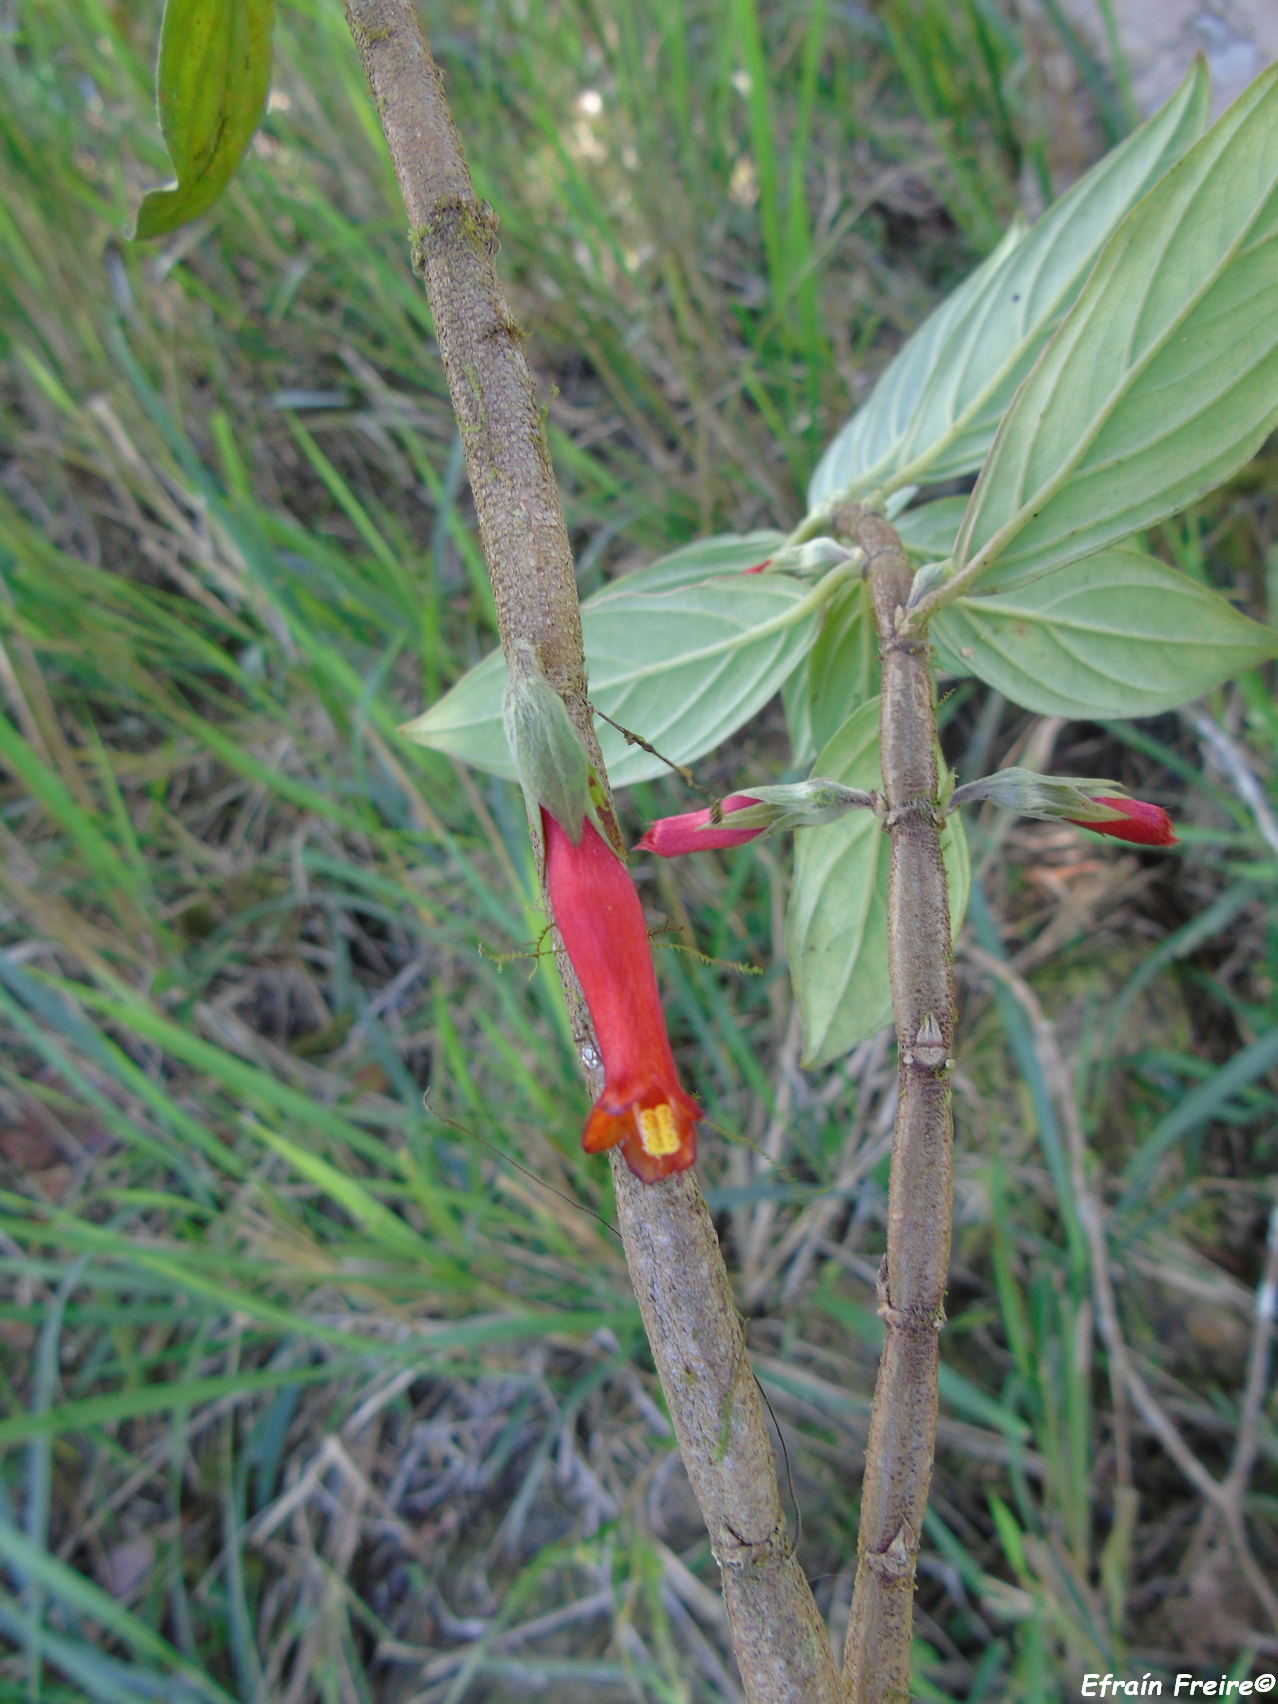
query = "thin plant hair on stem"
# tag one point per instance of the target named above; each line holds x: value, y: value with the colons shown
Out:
x: 902, y: 1442
x: 676, y: 1266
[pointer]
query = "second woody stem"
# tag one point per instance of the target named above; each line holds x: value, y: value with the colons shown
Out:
x: 912, y: 1281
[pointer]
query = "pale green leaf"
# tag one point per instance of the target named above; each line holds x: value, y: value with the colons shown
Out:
x: 866, y: 451
x: 843, y: 665
x: 703, y: 559
x: 1119, y: 634
x: 929, y: 531
x: 839, y: 673
x: 836, y: 926
x: 682, y: 667
x: 1163, y: 379
x: 797, y: 708
x: 933, y: 414
x: 211, y: 84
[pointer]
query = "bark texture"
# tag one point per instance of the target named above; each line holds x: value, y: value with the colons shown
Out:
x: 675, y: 1262
x: 454, y: 240
x: 912, y: 1281
x: 691, y: 1318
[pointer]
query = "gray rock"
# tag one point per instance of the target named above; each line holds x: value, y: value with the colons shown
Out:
x: 1161, y: 37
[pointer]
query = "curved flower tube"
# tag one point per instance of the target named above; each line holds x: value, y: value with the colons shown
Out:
x: 600, y: 921
x: 1083, y: 800
x: 1143, y: 824
x: 765, y: 810
x: 671, y: 836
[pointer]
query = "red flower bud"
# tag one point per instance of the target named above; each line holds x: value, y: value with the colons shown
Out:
x: 1144, y: 824
x: 758, y: 567
x: 600, y: 920
x: 671, y: 836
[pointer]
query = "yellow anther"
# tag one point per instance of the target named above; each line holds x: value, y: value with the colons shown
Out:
x: 657, y: 1131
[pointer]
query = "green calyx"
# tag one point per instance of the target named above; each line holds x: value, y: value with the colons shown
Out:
x: 1050, y: 798
x: 802, y: 561
x: 553, y: 768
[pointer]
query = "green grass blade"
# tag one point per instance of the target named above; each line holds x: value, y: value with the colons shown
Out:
x: 84, y: 1598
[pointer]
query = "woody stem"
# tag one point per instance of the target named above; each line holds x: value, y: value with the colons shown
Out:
x: 675, y: 1263
x: 902, y: 1440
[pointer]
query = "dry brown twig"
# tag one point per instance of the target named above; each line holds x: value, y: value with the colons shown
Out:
x: 1224, y: 1497
x: 675, y: 1263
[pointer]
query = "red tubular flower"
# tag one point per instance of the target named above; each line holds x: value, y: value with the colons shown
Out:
x: 671, y: 836
x: 1145, y: 824
x: 598, y: 915
x: 758, y: 567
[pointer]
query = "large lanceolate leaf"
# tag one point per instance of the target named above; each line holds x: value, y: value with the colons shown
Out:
x: 211, y: 84
x: 866, y: 451
x: 933, y: 414
x: 1163, y: 379
x: 683, y: 666
x: 836, y: 927
x: 1120, y: 634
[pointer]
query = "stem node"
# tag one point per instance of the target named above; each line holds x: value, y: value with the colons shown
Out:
x: 912, y: 1280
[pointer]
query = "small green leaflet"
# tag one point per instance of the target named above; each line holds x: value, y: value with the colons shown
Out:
x: 929, y: 531
x: 1162, y: 380
x: 934, y: 412
x: 211, y: 84
x: 677, y: 658
x: 843, y: 665
x: 836, y: 926
x: 1119, y: 634
x: 840, y: 672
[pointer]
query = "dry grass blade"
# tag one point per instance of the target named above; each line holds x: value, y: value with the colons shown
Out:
x: 1225, y: 1497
